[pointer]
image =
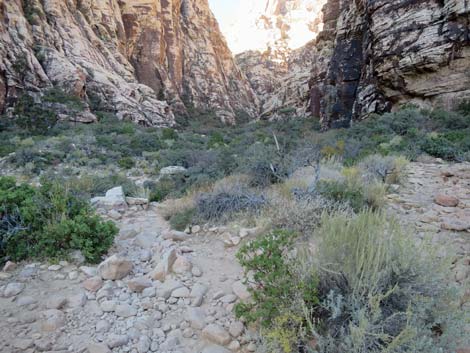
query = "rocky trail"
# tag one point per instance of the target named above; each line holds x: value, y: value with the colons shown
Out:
x: 160, y: 291
x: 435, y: 203
x: 167, y: 291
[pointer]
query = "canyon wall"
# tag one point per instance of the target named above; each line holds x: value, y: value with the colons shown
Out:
x: 141, y: 59
x: 375, y: 55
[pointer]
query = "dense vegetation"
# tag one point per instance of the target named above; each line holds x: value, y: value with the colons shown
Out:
x: 49, y: 222
x: 331, y: 273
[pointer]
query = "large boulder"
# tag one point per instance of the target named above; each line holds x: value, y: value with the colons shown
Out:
x: 114, y: 199
x: 114, y: 268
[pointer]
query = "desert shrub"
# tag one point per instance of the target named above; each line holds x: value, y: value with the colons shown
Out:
x: 170, y: 185
x: 264, y: 164
x: 379, y: 290
x: 227, y: 200
x: 169, y: 134
x: 182, y: 219
x: 272, y: 284
x: 88, y: 186
x: 49, y: 221
x: 439, y: 146
x: 57, y: 95
x: 342, y: 192
x: 360, y: 285
x: 386, y: 169
x: 126, y: 162
x: 33, y: 117
x: 300, y: 212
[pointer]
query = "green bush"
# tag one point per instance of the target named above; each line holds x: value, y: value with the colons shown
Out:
x: 169, y: 134
x: 49, y: 222
x: 273, y: 286
x: 343, y: 192
x: 126, y: 162
x: 182, y: 219
x: 33, y: 117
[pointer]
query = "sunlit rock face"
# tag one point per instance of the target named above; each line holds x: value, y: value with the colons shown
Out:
x: 374, y: 56
x: 274, y: 26
x: 142, y: 59
x: 280, y: 69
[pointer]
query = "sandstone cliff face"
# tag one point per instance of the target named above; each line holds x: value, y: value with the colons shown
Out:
x: 373, y: 56
x: 282, y: 88
x: 126, y: 56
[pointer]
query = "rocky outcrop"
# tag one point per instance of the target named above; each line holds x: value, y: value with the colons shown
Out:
x: 282, y: 87
x: 373, y: 56
x: 130, y: 57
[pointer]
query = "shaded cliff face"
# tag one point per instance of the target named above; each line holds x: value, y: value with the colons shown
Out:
x: 282, y: 88
x: 373, y: 56
x: 126, y: 56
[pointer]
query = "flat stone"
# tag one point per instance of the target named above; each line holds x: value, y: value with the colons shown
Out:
x: 143, y: 345
x: 125, y: 310
x: 165, y: 289
x: 236, y: 329
x: 216, y: 334
x: 139, y: 284
x: 182, y: 292
x: 196, y: 318
x: 108, y: 305
x: 98, y: 348
x: 88, y: 271
x: 241, y: 291
x: 26, y: 300
x: 181, y: 265
x: 52, y: 320
x: 215, y: 349
x: 446, y: 200
x: 114, y: 268
x: 115, y: 341
x: 56, y: 302
x: 93, y: 284
x: 54, y: 268
x: 23, y: 343
x: 13, y: 289
x: 227, y: 299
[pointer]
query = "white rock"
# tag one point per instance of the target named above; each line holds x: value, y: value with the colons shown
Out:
x: 139, y: 284
x: 181, y: 265
x: 52, y: 320
x: 54, y: 268
x: 125, y: 310
x: 102, y: 326
x: 196, y: 271
x: 196, y: 318
x: 164, y: 266
x: 215, y: 349
x: 89, y: 271
x: 236, y: 329
x: 13, y: 289
x: 115, y: 340
x: 114, y: 268
x: 182, y: 292
x: 241, y: 291
x: 77, y: 300
x: 143, y: 346
x: 216, y: 334
x: 171, y: 170
x: 108, y: 305
x: 93, y: 284
x: 98, y: 348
